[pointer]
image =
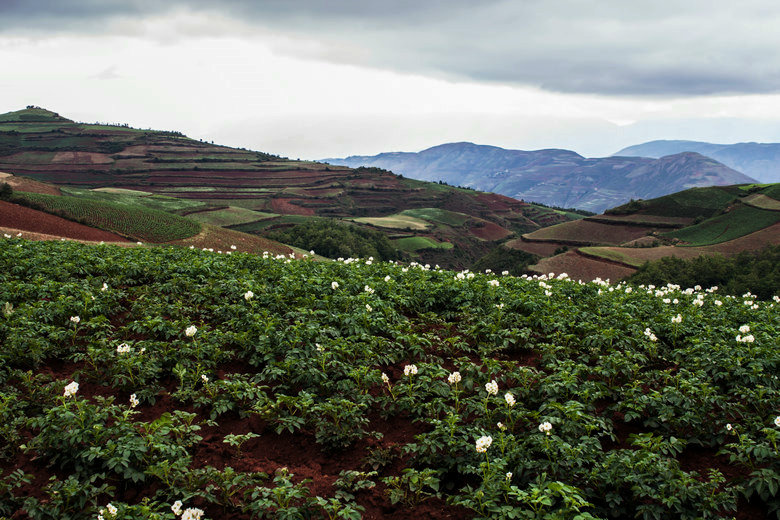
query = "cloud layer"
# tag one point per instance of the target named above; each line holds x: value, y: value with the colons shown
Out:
x: 610, y: 47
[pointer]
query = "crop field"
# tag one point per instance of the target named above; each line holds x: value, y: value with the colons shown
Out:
x: 761, y: 201
x: 229, y: 216
x: 740, y: 221
x: 437, y: 215
x: 693, y: 203
x: 413, y: 244
x: 132, y: 221
x: 586, y: 232
x: 135, y: 199
x: 398, y: 221
x: 137, y: 382
x: 636, y: 256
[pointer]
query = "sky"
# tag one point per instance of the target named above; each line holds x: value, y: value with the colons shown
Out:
x: 330, y: 78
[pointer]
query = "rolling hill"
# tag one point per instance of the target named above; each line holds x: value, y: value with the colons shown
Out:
x: 256, y: 192
x: 700, y: 221
x: 555, y: 177
x: 759, y: 160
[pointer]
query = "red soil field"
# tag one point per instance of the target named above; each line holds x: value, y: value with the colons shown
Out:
x: 535, y: 248
x: 579, y: 267
x: 81, y: 158
x: 25, y: 219
x: 489, y: 231
x: 498, y: 202
x: 285, y: 207
x: 587, y: 232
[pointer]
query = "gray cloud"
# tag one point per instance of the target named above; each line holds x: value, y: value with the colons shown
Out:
x: 612, y: 47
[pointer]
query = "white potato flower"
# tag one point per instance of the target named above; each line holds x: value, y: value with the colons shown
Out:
x: 71, y: 389
x: 483, y: 443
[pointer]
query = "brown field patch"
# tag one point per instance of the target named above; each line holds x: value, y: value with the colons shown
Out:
x: 498, y: 202
x: 286, y: 207
x: 582, y: 268
x: 585, y: 232
x: 20, y: 218
x: 29, y: 185
x: 637, y: 218
x: 81, y: 158
x: 535, y: 248
x: 220, y: 239
x: 751, y: 242
x: 489, y: 231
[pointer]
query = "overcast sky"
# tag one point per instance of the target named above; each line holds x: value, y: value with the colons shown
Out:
x: 328, y: 78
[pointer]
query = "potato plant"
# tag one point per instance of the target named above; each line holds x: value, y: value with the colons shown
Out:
x: 177, y: 383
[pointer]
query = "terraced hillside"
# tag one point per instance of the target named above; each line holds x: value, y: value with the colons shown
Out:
x: 45, y: 146
x: 701, y: 221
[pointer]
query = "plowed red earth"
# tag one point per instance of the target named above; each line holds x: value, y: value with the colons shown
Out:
x: 285, y: 207
x: 579, y: 267
x: 25, y: 219
x: 298, y: 452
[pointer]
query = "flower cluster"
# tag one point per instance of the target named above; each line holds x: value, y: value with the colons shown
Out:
x: 454, y: 378
x: 75, y: 319
x: 110, y: 508
x: 410, y: 370
x: 71, y: 389
x: 483, y: 443
x: 334, y: 285
x: 368, y: 289
x: 124, y: 348
x: 649, y: 334
x: 133, y: 401
x: 748, y: 338
x: 191, y: 513
x: 545, y: 427
x: 510, y: 399
x: 249, y: 295
x: 190, y: 331
x: 677, y: 319
x: 492, y: 387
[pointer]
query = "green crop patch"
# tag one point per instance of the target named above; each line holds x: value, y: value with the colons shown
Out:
x: 413, y: 244
x: 437, y: 215
x: 130, y: 220
x: 738, y: 222
x: 230, y: 216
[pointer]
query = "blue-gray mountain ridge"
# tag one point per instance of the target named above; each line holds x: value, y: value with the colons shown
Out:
x: 554, y: 177
x: 758, y: 160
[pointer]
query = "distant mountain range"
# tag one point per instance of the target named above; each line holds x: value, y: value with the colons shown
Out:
x: 555, y: 177
x: 758, y: 160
